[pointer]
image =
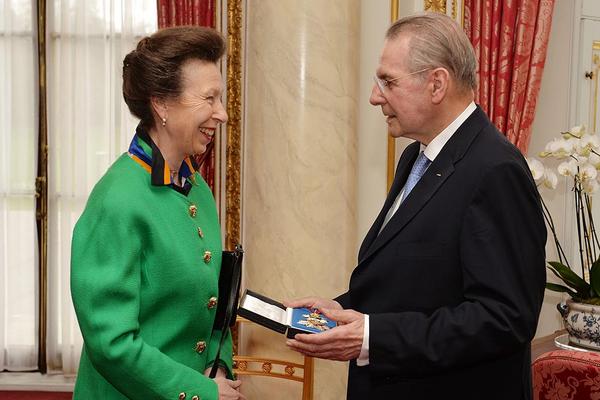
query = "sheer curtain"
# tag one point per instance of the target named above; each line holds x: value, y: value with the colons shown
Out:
x: 18, y: 169
x: 89, y: 127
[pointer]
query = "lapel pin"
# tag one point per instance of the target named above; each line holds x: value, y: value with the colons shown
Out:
x: 438, y: 174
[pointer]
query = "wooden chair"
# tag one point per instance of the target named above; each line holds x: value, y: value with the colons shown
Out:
x: 282, y: 369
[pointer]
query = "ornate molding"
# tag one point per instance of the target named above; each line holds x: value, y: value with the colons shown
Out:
x: 290, y: 370
x: 267, y: 367
x: 233, y: 151
x: 594, y: 77
x: 234, y: 126
x: 41, y: 188
x: 391, y: 142
x: 435, y: 5
x: 244, y: 365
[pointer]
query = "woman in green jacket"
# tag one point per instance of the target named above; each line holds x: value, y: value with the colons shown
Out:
x: 146, y: 252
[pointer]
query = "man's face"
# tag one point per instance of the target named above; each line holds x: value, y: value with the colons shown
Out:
x: 403, y: 101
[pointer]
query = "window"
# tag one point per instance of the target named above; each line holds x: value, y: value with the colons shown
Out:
x: 89, y: 126
x: 18, y: 169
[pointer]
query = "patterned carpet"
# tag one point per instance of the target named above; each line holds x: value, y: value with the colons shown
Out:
x: 35, y: 396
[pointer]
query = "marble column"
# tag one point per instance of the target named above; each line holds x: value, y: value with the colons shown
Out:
x: 299, y: 174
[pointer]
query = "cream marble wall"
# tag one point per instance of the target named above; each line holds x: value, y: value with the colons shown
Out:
x: 372, y: 128
x: 300, y: 152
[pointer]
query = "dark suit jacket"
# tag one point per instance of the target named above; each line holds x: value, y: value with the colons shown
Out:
x: 454, y: 283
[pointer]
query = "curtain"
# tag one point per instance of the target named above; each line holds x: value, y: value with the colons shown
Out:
x: 191, y: 12
x: 510, y: 38
x: 18, y: 169
x: 186, y: 12
x: 89, y: 127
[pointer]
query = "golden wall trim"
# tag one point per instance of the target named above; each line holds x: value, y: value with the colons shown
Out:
x: 595, y: 72
x: 391, y: 142
x: 234, y: 125
x: 435, y: 5
x: 454, y: 9
x: 41, y: 187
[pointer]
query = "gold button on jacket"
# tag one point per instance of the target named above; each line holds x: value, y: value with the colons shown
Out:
x: 182, y: 396
x: 200, y: 346
x: 212, y: 302
x: 207, y: 256
x: 193, y: 210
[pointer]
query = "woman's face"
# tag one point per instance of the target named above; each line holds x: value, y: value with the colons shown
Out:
x: 192, y: 119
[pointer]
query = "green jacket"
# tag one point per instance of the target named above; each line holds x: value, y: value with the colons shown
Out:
x: 144, y: 277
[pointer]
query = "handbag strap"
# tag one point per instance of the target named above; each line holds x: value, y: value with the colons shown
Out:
x: 231, y: 300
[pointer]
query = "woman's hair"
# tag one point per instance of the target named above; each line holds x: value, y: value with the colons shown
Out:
x: 436, y: 40
x: 153, y: 69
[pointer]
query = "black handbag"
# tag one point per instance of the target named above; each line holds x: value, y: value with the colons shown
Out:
x: 230, y: 279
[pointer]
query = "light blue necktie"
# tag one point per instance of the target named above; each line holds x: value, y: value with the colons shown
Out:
x: 417, y: 171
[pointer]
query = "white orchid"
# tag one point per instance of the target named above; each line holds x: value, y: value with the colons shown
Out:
x: 577, y: 130
x: 550, y: 179
x: 578, y: 157
x: 590, y: 186
x: 594, y: 159
x: 559, y: 148
x: 536, y: 167
x: 568, y: 168
x: 588, y: 144
x: 587, y: 172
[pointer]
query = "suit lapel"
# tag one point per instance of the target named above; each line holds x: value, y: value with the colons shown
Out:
x: 435, y: 176
x: 402, y: 170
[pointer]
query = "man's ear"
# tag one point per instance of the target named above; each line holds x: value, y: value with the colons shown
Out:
x: 439, y: 85
x: 159, y: 106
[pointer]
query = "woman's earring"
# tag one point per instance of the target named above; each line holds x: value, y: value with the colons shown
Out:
x: 164, y: 121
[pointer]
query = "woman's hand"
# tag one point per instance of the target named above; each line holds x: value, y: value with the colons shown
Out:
x: 229, y: 390
x: 220, y: 373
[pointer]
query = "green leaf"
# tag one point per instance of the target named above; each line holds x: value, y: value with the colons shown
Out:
x: 570, y: 278
x: 595, y: 301
x: 595, y: 277
x: 555, y: 272
x: 567, y: 274
x: 560, y: 288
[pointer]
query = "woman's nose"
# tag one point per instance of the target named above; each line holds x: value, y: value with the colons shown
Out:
x: 220, y: 113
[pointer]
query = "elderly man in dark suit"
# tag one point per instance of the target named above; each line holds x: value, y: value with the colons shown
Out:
x: 448, y: 288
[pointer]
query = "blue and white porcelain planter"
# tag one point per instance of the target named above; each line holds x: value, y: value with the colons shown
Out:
x: 582, y: 321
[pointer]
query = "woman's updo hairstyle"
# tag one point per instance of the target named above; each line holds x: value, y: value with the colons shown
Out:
x: 153, y: 69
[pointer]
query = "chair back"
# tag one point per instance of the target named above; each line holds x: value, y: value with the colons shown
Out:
x: 566, y: 374
x: 274, y: 368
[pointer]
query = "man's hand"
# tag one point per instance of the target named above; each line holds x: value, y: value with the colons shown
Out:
x: 313, y: 302
x: 341, y: 343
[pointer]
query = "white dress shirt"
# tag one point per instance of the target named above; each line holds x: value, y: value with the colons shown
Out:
x: 431, y: 152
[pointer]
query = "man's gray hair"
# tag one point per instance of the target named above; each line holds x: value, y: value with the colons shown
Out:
x: 436, y: 40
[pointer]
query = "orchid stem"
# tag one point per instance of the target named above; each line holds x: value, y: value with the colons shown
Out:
x: 559, y: 250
